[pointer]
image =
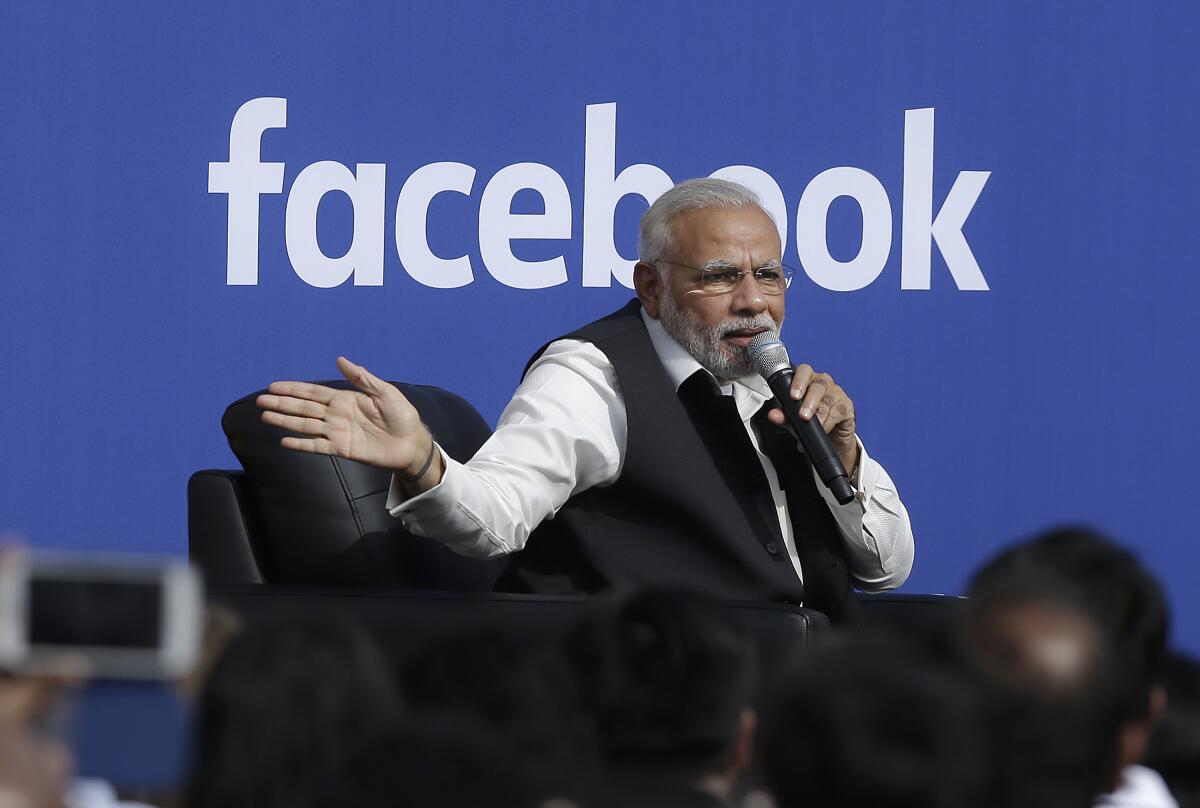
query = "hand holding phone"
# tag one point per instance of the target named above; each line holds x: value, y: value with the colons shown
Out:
x: 120, y: 616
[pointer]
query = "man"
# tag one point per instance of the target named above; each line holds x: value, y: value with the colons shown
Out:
x: 667, y: 686
x: 1078, y: 569
x: 1052, y: 693
x: 868, y: 721
x: 645, y: 436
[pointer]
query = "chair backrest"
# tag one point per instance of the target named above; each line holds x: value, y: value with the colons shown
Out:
x: 322, y: 520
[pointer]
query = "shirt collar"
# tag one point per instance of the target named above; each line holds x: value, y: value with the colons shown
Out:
x: 749, y: 392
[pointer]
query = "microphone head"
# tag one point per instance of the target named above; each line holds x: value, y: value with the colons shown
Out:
x: 768, y: 354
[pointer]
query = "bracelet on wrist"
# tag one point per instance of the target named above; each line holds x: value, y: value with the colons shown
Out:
x: 424, y: 466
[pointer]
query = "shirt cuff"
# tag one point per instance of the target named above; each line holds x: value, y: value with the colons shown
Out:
x: 863, y: 482
x: 866, y: 476
x: 436, y: 502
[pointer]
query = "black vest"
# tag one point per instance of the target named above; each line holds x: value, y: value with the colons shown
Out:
x: 691, y: 507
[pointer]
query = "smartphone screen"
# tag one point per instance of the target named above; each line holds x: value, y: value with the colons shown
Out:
x: 105, y: 614
x: 125, y: 616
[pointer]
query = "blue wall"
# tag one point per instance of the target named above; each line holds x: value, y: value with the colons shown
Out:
x: 1061, y: 392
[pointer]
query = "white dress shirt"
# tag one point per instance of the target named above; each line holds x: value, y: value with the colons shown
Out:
x: 565, y: 431
x: 1140, y: 788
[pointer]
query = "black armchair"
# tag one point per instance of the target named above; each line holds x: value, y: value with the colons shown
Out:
x: 316, y: 520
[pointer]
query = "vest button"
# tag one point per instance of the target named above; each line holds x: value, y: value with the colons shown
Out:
x: 772, y: 548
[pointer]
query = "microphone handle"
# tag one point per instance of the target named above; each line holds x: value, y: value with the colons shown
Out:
x: 813, y: 438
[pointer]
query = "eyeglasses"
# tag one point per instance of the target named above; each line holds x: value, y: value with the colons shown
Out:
x: 721, y: 279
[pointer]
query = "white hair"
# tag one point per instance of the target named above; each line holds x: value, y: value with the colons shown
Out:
x: 655, y: 239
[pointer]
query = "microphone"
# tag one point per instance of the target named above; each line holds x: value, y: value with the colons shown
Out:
x: 770, y: 358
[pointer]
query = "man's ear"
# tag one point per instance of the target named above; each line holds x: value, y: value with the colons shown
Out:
x: 649, y: 287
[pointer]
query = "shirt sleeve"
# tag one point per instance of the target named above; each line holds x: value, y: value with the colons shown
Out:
x: 875, y: 527
x: 563, y: 432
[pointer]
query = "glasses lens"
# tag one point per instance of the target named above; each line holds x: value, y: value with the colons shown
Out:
x: 771, y: 281
x: 720, y: 281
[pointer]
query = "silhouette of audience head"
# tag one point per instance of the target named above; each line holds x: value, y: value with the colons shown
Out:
x: 668, y: 686
x: 1068, y: 632
x: 1110, y: 584
x: 866, y: 722
x: 280, y: 710
x: 521, y: 693
x: 1054, y: 702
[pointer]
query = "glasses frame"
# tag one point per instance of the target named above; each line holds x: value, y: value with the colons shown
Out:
x: 722, y: 268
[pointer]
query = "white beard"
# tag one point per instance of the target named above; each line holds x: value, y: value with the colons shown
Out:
x: 706, y: 344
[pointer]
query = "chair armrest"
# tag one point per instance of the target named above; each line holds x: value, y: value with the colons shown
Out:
x: 223, y: 536
x: 915, y: 615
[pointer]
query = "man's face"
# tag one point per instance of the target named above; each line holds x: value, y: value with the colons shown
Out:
x: 715, y: 328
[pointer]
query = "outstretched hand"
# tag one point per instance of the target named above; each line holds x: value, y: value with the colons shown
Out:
x: 375, y: 424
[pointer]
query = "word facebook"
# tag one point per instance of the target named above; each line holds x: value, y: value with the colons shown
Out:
x: 245, y: 178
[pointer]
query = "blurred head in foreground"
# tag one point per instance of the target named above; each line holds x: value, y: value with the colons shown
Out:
x: 1111, y: 585
x: 667, y: 685
x: 1054, y: 706
x: 861, y: 721
x: 524, y: 695
x: 281, y: 709
x: 1068, y: 632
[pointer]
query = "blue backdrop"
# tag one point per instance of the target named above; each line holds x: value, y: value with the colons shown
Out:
x: 1043, y: 151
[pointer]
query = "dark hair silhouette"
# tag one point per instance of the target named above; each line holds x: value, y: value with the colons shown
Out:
x: 1109, y: 583
x: 1054, y: 705
x: 1068, y: 631
x: 864, y: 722
x: 281, y: 709
x: 664, y: 679
x: 524, y: 695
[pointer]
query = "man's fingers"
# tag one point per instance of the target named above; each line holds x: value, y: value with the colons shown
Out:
x: 818, y: 388
x: 311, y: 445
x: 305, y: 390
x: 291, y: 406
x: 360, y: 377
x: 833, y: 401
x: 294, y: 423
x: 821, y: 397
x: 835, y: 411
x: 800, y: 379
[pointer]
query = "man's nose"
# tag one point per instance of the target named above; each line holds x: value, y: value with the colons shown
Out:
x: 748, y: 297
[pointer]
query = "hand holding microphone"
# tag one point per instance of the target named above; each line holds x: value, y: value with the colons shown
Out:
x: 825, y: 402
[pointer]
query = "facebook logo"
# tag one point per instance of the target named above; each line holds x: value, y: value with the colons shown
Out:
x: 245, y: 177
